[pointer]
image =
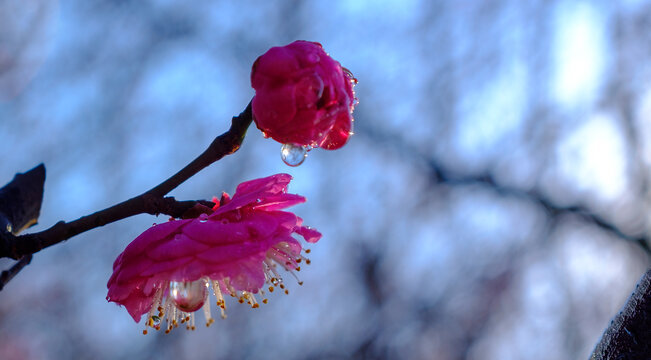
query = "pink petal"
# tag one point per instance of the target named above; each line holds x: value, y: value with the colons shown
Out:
x: 338, y: 135
x: 164, y: 266
x: 235, y: 252
x: 310, y: 235
x: 154, y: 234
x: 178, y: 245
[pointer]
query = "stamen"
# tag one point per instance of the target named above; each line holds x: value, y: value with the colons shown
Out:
x: 295, y: 276
x: 220, y: 299
x: 272, y: 266
x: 206, y: 312
x: 230, y: 288
x: 281, y: 255
x: 254, y: 301
x: 149, y: 322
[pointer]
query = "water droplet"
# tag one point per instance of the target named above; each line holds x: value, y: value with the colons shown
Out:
x: 155, y: 320
x: 203, y: 218
x: 188, y: 296
x: 293, y: 155
x: 350, y: 76
x: 265, y: 135
x: 9, y: 228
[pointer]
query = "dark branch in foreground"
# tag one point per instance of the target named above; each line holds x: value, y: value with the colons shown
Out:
x: 629, y: 336
x: 20, y: 200
x: 20, y: 206
x: 7, y: 275
x: 150, y: 202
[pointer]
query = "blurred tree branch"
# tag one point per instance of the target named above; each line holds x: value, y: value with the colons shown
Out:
x: 150, y: 202
x: 629, y: 336
x: 439, y: 175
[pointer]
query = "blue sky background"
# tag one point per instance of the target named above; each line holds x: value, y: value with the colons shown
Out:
x: 422, y: 257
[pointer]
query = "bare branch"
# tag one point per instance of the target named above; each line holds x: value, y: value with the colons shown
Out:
x: 7, y: 275
x: 150, y: 202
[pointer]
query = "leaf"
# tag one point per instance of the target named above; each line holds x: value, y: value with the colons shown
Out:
x: 20, y: 200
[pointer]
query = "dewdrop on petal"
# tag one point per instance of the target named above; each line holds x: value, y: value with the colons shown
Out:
x: 188, y: 296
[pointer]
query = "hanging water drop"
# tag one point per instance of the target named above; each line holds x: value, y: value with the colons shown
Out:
x: 293, y: 155
x: 188, y: 296
x: 350, y: 76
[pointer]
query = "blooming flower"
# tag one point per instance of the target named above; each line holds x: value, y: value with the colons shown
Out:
x: 234, y: 249
x: 302, y: 96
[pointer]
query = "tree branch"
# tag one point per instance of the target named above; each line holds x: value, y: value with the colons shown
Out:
x: 150, y: 202
x: 7, y: 275
x: 629, y: 336
x: 439, y: 175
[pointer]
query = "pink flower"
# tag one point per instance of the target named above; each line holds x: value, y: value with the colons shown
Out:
x: 169, y: 270
x: 303, y: 96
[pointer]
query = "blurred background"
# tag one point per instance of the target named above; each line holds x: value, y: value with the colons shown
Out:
x: 492, y: 204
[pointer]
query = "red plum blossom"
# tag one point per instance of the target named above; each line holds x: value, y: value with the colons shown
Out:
x: 303, y: 97
x: 235, y: 249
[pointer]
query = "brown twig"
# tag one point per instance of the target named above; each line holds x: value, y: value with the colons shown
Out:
x: 150, y: 202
